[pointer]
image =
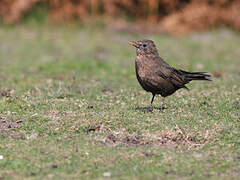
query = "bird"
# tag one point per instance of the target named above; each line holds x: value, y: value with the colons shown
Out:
x: 156, y: 76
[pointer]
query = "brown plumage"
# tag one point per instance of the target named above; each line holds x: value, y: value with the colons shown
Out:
x: 157, y: 76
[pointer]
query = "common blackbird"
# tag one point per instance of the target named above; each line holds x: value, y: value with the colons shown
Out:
x: 157, y: 76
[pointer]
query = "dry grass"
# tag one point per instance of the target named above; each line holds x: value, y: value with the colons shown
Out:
x: 175, y: 16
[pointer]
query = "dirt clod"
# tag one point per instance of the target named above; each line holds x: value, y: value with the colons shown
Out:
x: 90, y: 106
x: 33, y: 174
x: 8, y: 127
x: 148, y: 154
x: 170, y: 172
x: 5, y: 124
x: 112, y: 138
x: 126, y: 140
x: 105, y: 90
x: 5, y: 93
x: 55, y: 165
x: 132, y: 140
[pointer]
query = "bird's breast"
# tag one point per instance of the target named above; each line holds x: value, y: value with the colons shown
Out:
x: 143, y: 68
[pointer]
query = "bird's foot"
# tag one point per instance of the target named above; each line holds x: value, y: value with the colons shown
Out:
x: 148, y: 110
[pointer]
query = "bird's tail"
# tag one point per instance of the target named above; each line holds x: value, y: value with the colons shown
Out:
x: 196, y: 76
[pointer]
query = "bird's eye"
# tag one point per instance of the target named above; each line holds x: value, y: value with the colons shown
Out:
x: 144, y: 45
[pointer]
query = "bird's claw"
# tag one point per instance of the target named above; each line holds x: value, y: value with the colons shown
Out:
x: 148, y: 110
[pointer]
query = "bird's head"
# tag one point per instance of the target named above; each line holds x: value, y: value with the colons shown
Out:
x: 144, y: 47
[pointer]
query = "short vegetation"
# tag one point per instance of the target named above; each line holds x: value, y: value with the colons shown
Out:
x: 71, y: 107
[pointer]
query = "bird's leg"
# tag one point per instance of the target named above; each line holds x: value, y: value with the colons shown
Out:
x: 162, y: 103
x: 150, y: 107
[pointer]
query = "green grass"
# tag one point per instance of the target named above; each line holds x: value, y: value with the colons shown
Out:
x: 71, y: 107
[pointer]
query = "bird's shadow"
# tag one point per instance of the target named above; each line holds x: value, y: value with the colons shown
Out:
x: 147, y: 109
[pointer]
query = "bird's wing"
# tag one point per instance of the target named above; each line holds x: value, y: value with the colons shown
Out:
x: 170, y: 74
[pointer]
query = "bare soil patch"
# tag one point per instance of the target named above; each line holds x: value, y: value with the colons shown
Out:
x: 8, y: 127
x: 168, y: 137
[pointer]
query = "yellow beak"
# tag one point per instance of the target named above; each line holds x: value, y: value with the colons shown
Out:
x: 132, y: 43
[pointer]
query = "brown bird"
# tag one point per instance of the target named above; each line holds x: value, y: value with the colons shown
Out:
x: 157, y: 76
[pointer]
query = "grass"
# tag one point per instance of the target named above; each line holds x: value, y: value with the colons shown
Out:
x: 71, y: 107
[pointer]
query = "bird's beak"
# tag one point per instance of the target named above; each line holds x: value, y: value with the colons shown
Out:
x: 132, y: 43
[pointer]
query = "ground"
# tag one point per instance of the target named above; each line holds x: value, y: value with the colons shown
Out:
x: 71, y: 107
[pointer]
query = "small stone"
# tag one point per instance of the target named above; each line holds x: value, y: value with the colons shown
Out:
x: 55, y: 166
x: 32, y: 136
x: 107, y: 174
